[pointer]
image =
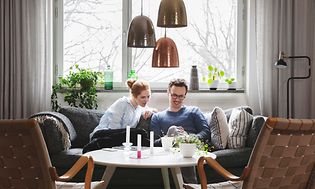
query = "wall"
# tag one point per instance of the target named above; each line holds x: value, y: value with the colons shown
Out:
x: 205, y: 101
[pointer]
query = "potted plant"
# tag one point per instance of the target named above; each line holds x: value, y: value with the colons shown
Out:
x: 214, y: 76
x: 231, y: 83
x: 189, y: 143
x: 80, y: 89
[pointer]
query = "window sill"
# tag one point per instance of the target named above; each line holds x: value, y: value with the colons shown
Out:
x: 100, y: 90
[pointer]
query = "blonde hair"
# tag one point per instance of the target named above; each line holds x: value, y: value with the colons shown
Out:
x: 137, y: 86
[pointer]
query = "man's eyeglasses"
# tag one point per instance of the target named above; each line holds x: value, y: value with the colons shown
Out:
x: 180, y: 97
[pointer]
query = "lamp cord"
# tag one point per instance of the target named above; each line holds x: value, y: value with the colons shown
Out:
x: 164, y: 32
x: 292, y: 78
x: 141, y: 7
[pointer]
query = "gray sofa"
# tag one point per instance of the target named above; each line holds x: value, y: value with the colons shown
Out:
x: 67, y: 131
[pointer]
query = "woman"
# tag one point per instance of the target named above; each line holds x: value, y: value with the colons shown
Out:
x: 127, y: 110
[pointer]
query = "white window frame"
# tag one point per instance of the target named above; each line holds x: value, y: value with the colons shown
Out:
x: 126, y: 51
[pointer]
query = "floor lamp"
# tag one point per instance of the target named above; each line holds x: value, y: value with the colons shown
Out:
x: 282, y: 64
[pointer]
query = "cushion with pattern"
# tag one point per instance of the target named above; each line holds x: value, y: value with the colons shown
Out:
x: 239, y: 124
x: 219, y: 128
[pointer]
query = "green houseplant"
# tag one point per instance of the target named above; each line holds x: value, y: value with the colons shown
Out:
x: 188, y: 143
x: 214, y: 76
x: 80, y: 89
x: 231, y: 83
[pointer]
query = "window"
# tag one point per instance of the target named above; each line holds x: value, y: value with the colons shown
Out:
x: 93, y: 34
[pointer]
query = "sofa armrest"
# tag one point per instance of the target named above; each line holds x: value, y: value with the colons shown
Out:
x: 258, y: 122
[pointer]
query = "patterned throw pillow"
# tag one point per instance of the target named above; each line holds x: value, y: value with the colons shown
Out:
x: 53, y: 132
x: 239, y: 124
x: 219, y: 128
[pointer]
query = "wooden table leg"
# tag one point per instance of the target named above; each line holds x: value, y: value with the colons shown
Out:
x: 177, y: 177
x: 108, y: 173
x: 166, y: 179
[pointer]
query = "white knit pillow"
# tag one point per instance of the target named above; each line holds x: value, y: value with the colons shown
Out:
x: 239, y: 124
x: 219, y: 128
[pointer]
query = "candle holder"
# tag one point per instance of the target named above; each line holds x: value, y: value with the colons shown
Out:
x: 127, y: 145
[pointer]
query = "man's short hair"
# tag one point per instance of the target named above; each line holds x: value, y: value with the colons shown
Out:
x: 178, y: 83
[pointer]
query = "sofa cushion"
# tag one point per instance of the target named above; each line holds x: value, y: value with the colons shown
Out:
x: 66, y: 158
x: 233, y: 157
x: 84, y: 121
x: 219, y: 128
x: 239, y: 124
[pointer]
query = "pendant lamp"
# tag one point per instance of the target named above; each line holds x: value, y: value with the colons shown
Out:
x: 141, y: 32
x: 172, y: 14
x: 165, y: 54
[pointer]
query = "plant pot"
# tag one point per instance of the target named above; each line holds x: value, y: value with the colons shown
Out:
x: 214, y: 85
x: 86, y: 84
x: 232, y: 86
x: 187, y: 149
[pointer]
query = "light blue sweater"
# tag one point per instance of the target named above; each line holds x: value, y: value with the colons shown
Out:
x: 120, y: 114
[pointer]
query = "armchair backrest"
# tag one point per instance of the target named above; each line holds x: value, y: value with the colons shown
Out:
x: 24, y: 160
x: 284, y: 154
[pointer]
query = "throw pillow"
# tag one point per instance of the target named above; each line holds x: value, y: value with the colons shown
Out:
x: 219, y: 128
x: 84, y: 122
x: 239, y: 124
x: 53, y: 132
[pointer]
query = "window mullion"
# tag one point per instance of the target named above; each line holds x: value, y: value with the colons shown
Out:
x: 126, y: 52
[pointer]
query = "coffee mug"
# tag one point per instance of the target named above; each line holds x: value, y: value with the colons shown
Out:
x: 167, y: 142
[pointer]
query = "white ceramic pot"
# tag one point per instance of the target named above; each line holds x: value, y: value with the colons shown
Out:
x: 214, y: 85
x: 187, y: 149
x: 232, y: 86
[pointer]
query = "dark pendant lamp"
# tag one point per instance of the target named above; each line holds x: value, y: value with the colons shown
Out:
x: 282, y: 64
x: 141, y: 32
x: 172, y: 14
x: 165, y: 54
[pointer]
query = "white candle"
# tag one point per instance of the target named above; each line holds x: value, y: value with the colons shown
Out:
x: 151, y: 141
x: 127, y: 134
x: 138, y: 146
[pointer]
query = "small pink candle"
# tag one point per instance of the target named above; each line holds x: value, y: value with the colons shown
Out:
x: 138, y: 146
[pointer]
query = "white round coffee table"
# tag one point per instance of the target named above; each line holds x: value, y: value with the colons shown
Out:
x: 113, y: 158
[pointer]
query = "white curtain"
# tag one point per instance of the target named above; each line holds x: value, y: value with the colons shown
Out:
x: 280, y: 25
x: 25, y: 57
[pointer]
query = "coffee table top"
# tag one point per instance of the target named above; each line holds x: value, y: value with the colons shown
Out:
x: 159, y: 158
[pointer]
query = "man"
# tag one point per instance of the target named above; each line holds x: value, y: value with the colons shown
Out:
x: 190, y: 118
x: 184, y: 118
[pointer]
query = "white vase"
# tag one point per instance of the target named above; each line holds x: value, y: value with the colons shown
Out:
x: 232, y: 86
x: 187, y: 149
x: 214, y: 85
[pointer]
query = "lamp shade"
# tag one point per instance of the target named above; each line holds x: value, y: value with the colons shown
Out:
x: 141, y: 33
x: 172, y: 14
x: 281, y: 64
x: 165, y: 54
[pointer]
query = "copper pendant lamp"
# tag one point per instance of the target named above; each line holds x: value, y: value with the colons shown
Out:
x: 172, y: 14
x: 165, y: 54
x: 141, y: 32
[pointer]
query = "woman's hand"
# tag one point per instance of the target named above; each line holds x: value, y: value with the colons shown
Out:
x: 147, y: 114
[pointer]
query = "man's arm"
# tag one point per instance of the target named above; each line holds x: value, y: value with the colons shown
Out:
x: 155, y: 126
x: 201, y: 126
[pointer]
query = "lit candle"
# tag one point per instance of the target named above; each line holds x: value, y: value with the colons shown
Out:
x: 151, y: 141
x: 139, y: 146
x: 127, y: 134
